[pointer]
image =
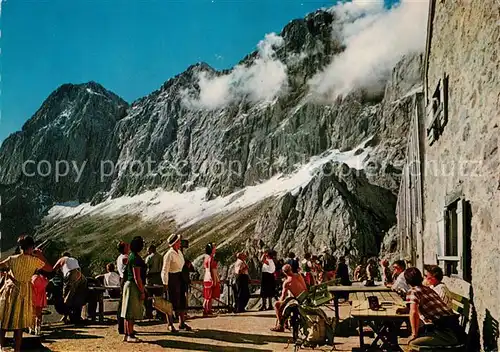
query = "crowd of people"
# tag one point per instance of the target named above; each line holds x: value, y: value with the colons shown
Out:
x: 285, y: 277
x: 138, y: 281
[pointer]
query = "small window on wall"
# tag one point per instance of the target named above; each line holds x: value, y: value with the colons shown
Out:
x: 437, y: 111
x: 454, y: 230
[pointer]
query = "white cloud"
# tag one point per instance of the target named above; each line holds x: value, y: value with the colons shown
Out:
x: 263, y: 80
x: 375, y: 39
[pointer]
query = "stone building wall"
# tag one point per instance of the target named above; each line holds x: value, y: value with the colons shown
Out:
x: 465, y: 45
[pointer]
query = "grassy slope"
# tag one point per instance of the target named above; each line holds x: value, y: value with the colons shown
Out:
x: 93, y: 239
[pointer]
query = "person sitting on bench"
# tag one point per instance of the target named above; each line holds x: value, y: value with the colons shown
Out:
x: 294, y: 285
x: 110, y: 279
x: 423, y: 300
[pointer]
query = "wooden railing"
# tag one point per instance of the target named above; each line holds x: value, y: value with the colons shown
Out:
x: 225, y: 302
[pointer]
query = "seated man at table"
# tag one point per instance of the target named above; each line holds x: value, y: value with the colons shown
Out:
x: 112, y: 280
x: 293, y: 286
x: 433, y: 279
x: 424, y: 301
x: 399, y: 284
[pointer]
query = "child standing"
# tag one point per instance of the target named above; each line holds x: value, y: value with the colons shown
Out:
x: 39, y: 282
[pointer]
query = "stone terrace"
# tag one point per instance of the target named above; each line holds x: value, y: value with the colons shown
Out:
x: 227, y: 332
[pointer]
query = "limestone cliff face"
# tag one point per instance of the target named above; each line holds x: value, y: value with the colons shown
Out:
x: 73, y: 125
x: 242, y: 143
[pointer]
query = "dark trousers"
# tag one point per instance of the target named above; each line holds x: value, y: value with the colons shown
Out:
x: 242, y: 294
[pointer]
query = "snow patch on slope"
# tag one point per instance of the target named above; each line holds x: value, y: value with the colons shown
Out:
x: 190, y: 207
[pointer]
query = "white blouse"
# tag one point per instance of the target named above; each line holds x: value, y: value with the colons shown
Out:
x: 270, y: 267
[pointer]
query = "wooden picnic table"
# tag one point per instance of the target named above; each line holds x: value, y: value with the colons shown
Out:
x: 385, y: 322
x: 354, y: 288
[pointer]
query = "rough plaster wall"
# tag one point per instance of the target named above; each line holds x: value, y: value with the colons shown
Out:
x: 466, y: 46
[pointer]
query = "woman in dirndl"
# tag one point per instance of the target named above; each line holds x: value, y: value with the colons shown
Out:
x: 134, y: 292
x: 211, y: 282
x: 16, y: 295
x: 268, y: 282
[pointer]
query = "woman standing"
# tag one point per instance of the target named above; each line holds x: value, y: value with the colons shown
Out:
x: 171, y: 274
x: 242, y: 293
x: 306, y: 269
x: 211, y: 283
x: 268, y: 283
x: 121, y: 266
x: 133, y: 289
x: 16, y: 296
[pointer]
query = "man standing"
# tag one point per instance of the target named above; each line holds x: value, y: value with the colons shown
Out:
x: 154, y: 262
x: 293, y: 261
x: 171, y: 275
x: 294, y: 285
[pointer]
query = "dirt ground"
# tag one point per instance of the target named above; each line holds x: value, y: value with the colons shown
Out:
x: 226, y: 332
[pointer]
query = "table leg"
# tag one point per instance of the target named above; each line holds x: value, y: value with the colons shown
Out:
x: 101, y: 308
x: 388, y: 335
x: 361, y: 335
x: 336, y: 306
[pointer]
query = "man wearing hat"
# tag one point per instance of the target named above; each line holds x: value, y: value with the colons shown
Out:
x: 171, y: 274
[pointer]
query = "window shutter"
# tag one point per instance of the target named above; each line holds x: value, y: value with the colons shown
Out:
x: 444, y: 101
x: 461, y: 233
x: 441, y: 231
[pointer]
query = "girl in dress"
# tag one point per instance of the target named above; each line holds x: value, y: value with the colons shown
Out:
x: 16, y: 295
x: 39, y: 282
x: 211, y: 283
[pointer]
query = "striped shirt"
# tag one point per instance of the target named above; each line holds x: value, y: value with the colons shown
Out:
x: 430, y: 305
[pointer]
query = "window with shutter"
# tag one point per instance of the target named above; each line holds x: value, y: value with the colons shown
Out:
x: 454, y: 240
x: 437, y: 111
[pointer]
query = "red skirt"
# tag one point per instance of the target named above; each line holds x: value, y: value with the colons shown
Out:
x: 211, y: 291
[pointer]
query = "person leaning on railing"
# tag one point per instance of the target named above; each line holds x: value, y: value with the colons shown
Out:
x: 154, y: 262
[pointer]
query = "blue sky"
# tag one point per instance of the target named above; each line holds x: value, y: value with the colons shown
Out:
x: 129, y: 46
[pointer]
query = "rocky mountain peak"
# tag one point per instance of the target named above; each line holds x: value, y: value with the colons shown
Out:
x: 68, y: 97
x: 230, y: 138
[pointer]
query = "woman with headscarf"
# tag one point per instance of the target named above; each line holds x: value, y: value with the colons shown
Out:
x: 211, y: 282
x: 134, y: 292
x: 16, y: 296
